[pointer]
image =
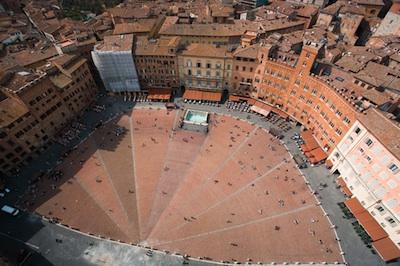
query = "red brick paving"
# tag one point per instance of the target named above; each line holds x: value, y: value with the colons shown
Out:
x: 215, y: 154
x: 214, y: 195
x: 183, y: 149
x: 118, y: 163
x: 150, y: 145
x: 80, y: 210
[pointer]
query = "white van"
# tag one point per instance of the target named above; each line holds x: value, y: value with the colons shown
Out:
x: 10, y: 210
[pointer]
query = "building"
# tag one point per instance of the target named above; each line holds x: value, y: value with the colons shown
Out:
x: 36, y: 106
x: 71, y: 75
x: 245, y: 62
x: 205, y: 67
x: 157, y: 63
x: 215, y: 33
x: 390, y: 25
x: 113, y: 59
x: 302, y: 96
x: 368, y: 161
x: 320, y: 3
x: 253, y: 3
x: 143, y: 27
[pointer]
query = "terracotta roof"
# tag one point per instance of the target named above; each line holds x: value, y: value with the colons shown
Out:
x: 356, y: 58
x: 387, y: 249
x: 382, y: 128
x: 13, y: 81
x: 161, y: 46
x: 377, y: 97
x: 67, y: 63
x: 333, y: 8
x: 369, y: 2
x: 222, y: 30
x: 116, y: 43
x: 130, y: 12
x: 206, y: 50
x: 247, y: 52
x: 29, y: 57
x: 380, y: 76
x: 218, y: 10
x: 13, y: 108
x: 307, y: 11
x: 60, y: 80
x: 143, y: 25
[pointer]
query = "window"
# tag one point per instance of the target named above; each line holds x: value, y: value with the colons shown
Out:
x: 228, y: 67
x: 357, y: 130
x: 208, y: 65
x: 337, y: 155
x: 394, y: 168
x: 390, y: 220
x: 198, y: 64
x: 380, y: 208
x: 189, y: 63
x: 369, y: 142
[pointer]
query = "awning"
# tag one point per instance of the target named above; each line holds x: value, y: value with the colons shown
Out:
x: 387, y: 249
x: 259, y: 110
x: 311, y: 148
x: 251, y: 101
x: 318, y: 154
x: 192, y: 95
x: 280, y: 112
x: 202, y: 95
x: 263, y: 106
x: 159, y: 94
x: 344, y: 187
x: 237, y: 98
x: 212, y: 96
x: 354, y: 206
x: 371, y: 226
x: 306, y: 135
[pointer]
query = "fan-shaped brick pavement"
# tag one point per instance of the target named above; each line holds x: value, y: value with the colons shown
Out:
x: 231, y: 194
